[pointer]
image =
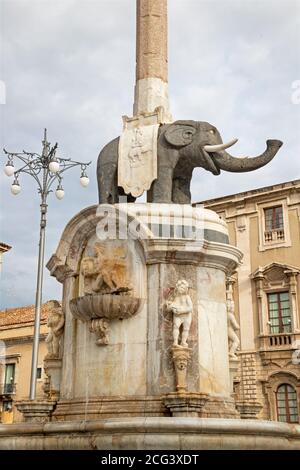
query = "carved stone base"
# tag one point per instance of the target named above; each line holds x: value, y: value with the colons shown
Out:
x: 52, y: 368
x: 249, y: 410
x: 36, y: 411
x: 184, y: 404
x: 109, y: 407
x: 219, y: 407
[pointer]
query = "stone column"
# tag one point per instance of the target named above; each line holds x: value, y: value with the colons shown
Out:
x: 151, y: 89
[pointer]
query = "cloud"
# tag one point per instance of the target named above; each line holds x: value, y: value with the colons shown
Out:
x: 69, y: 66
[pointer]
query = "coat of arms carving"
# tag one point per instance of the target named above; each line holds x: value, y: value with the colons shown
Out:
x: 137, y: 166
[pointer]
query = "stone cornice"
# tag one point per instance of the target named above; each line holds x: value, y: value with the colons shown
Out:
x: 268, y: 192
x: 261, y: 270
x: 22, y: 339
x: 211, y: 254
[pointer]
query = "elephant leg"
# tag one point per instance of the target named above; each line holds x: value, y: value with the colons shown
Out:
x: 107, y: 174
x: 107, y: 184
x: 123, y: 195
x: 161, y: 190
x: 181, y: 193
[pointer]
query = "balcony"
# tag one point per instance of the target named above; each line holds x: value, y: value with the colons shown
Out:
x: 276, y: 235
x: 279, y: 342
x: 280, y: 339
x: 7, y: 389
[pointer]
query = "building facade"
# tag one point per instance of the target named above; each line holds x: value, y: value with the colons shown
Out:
x: 265, y: 225
x: 16, y: 336
x: 3, y: 249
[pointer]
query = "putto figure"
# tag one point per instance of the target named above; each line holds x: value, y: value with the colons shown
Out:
x: 55, y: 323
x: 180, y: 304
x: 233, y: 327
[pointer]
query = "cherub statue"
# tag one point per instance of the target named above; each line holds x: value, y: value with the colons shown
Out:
x: 180, y: 304
x: 55, y: 323
x: 233, y: 327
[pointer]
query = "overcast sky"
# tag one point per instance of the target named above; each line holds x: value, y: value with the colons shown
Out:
x: 69, y: 65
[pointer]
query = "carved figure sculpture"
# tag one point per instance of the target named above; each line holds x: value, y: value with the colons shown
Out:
x: 55, y: 323
x: 233, y: 327
x: 181, y: 147
x: 100, y: 326
x: 180, y: 358
x: 180, y: 304
x: 106, y: 272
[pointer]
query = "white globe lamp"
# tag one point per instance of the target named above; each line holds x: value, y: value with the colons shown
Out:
x: 9, y: 169
x: 54, y: 166
x: 59, y: 193
x: 84, y: 179
x: 15, y: 187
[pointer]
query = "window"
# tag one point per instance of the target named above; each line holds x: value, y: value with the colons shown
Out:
x: 7, y: 405
x: 274, y: 227
x: 39, y: 373
x: 286, y: 400
x: 9, y: 380
x: 279, y: 313
x: 273, y: 218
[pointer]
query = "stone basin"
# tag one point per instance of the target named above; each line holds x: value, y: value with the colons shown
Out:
x: 110, y: 306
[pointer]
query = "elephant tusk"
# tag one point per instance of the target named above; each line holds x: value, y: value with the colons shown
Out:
x: 217, y: 148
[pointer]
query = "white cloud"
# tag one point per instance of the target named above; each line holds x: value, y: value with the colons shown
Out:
x: 69, y: 65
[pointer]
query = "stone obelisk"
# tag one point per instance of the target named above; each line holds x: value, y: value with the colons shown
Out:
x: 151, y: 88
x: 137, y: 163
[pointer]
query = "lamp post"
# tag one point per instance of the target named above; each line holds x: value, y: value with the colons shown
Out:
x: 45, y: 169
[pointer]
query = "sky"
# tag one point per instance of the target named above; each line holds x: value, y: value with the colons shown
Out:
x: 69, y: 65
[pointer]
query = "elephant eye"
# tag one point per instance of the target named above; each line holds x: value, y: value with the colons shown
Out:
x: 212, y: 131
x: 188, y: 134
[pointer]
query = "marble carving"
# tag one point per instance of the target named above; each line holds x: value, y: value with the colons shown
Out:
x: 233, y: 327
x: 55, y: 322
x: 180, y: 304
x: 137, y: 167
x: 100, y: 326
x: 107, y: 292
x: 105, y: 274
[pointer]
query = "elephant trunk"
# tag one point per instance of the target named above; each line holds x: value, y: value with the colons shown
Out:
x: 227, y: 162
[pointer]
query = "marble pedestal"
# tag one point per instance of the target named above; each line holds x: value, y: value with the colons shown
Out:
x: 127, y: 368
x: 37, y: 411
x: 52, y: 367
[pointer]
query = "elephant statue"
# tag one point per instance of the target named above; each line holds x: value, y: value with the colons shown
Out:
x: 181, y: 147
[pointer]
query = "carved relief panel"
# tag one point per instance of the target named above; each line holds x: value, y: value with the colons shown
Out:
x: 111, y: 285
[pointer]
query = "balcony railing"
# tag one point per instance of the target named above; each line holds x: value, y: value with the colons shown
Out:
x: 276, y: 235
x: 280, y: 339
x: 7, y: 389
x: 275, y: 341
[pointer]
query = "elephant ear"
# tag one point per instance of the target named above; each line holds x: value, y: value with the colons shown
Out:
x: 180, y: 135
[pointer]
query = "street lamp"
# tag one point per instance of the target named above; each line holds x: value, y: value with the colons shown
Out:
x: 45, y: 169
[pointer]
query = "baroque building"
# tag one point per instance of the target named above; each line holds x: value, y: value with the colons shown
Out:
x: 3, y: 249
x: 265, y: 225
x: 16, y: 335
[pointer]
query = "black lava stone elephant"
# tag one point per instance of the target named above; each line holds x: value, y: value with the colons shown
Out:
x: 181, y: 147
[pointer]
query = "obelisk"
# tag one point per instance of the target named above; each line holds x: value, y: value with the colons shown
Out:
x: 151, y: 88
